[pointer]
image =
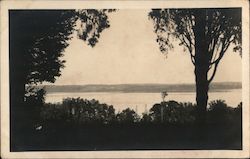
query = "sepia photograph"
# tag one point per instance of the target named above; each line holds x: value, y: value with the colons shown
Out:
x: 104, y: 80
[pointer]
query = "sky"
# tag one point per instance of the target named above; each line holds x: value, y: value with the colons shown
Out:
x: 127, y: 52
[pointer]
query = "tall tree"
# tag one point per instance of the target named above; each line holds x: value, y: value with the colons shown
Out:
x: 38, y: 39
x: 206, y: 34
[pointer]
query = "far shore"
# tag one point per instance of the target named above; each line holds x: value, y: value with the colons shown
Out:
x: 139, y: 88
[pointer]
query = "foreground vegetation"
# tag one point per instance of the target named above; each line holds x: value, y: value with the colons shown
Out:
x: 80, y: 124
x: 81, y: 111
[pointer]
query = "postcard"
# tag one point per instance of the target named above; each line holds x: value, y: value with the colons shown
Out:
x: 125, y: 79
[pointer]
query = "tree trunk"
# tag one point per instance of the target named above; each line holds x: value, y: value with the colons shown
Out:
x: 201, y: 93
x: 201, y: 65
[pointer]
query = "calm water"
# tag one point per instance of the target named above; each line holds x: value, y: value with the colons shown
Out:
x: 141, y: 102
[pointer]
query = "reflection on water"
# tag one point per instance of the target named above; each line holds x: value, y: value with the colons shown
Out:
x: 142, y: 102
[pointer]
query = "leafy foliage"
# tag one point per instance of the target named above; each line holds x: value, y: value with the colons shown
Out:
x: 222, y: 28
x: 128, y: 116
x: 38, y: 39
x: 206, y: 35
x: 82, y: 111
x: 217, y: 105
x: 61, y: 127
x: 220, y: 113
x: 173, y: 112
x: 146, y: 118
x: 35, y: 94
x: 93, y: 22
x: 78, y: 110
x: 41, y: 36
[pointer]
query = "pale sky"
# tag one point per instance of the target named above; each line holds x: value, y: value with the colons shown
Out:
x: 127, y: 52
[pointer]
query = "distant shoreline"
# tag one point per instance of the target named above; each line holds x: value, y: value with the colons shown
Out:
x: 175, y: 92
x: 138, y: 88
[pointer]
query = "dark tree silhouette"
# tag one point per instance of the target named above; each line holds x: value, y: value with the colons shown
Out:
x: 38, y: 39
x: 93, y: 22
x: 205, y: 34
x: 128, y: 116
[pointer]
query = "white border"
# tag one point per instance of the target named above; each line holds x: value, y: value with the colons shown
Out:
x: 140, y: 4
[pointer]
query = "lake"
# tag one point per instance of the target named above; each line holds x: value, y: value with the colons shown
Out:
x: 142, y: 102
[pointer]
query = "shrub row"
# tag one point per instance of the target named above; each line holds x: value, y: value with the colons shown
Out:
x: 82, y: 111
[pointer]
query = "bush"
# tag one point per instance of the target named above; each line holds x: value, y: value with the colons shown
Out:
x: 218, y: 106
x: 220, y: 113
x: 54, y: 112
x: 77, y: 110
x: 146, y: 118
x: 33, y: 102
x: 238, y: 113
x: 128, y: 116
x: 173, y: 112
x: 81, y: 111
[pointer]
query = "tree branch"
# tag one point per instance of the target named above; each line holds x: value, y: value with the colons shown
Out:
x: 214, y: 44
x: 187, y: 40
x: 192, y: 58
x: 214, y: 72
x: 224, y: 48
x: 189, y: 46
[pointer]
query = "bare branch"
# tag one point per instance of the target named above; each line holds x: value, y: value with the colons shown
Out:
x: 192, y: 58
x: 189, y: 30
x: 214, y: 72
x: 215, y: 43
x: 186, y: 37
x: 224, y: 48
x: 190, y: 49
x: 225, y: 44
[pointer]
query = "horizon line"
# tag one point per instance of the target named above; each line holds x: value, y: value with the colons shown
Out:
x: 51, y: 84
